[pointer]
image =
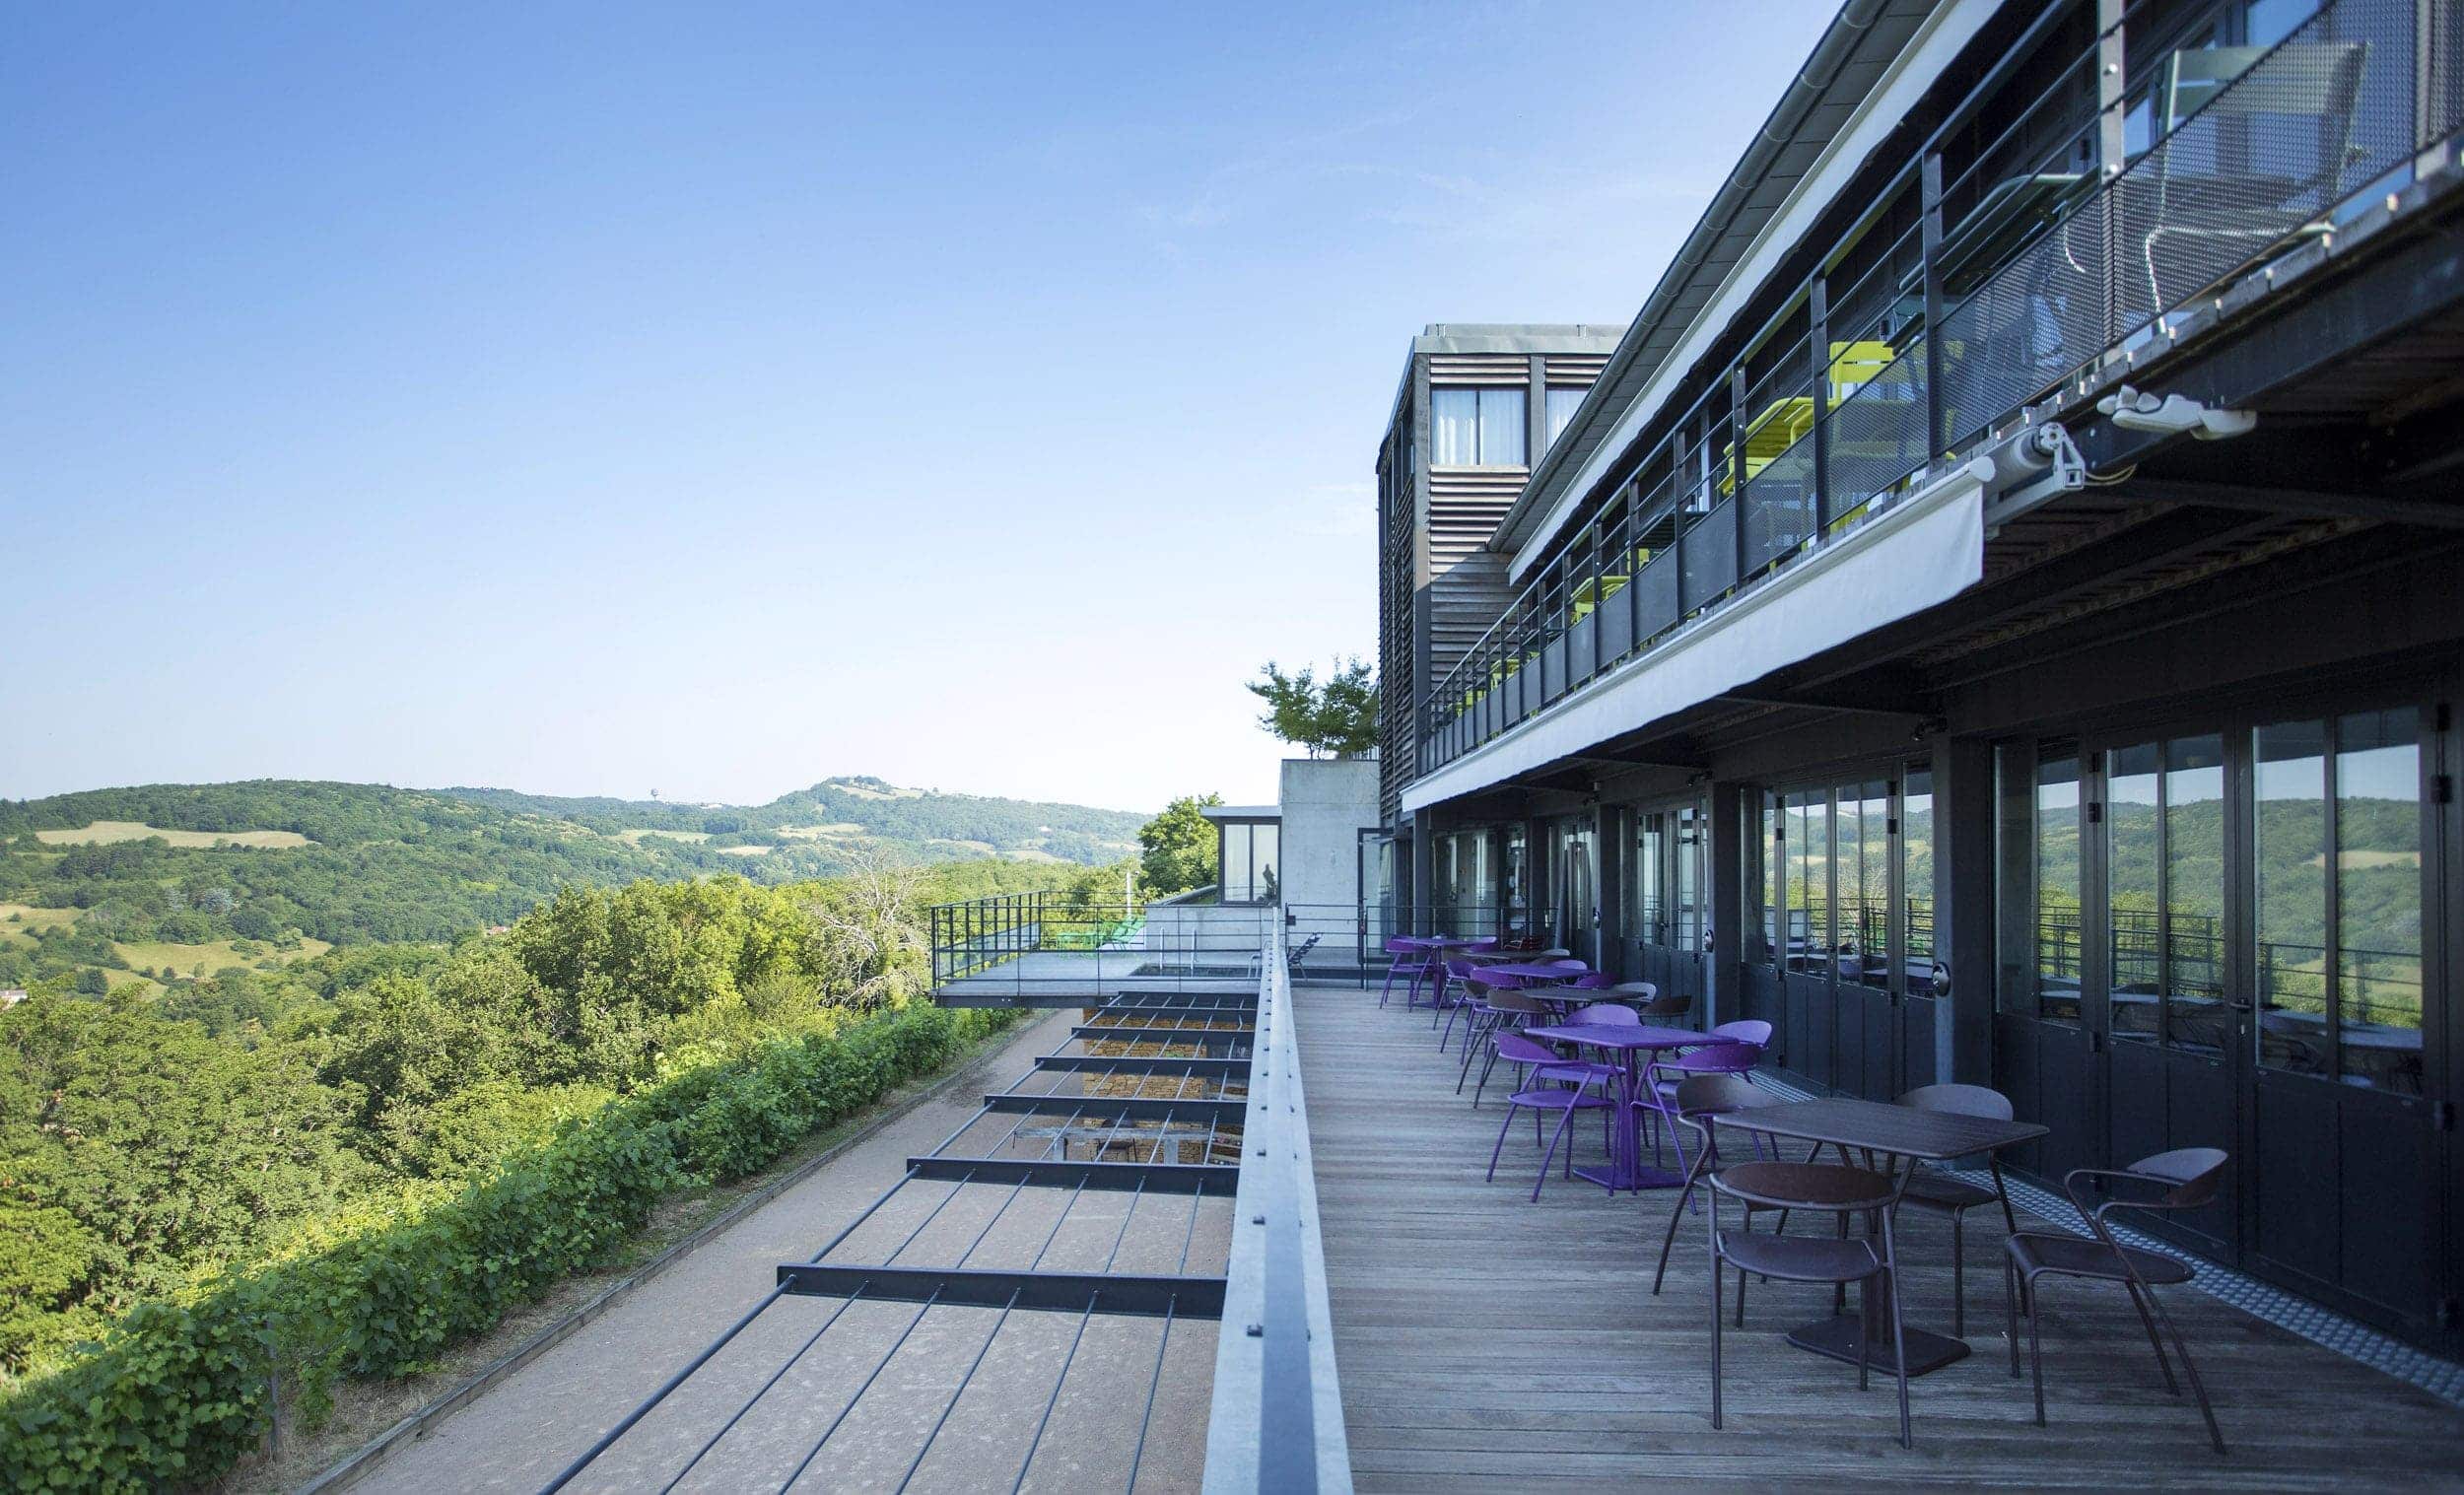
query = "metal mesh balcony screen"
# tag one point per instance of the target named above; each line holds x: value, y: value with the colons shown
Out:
x: 1709, y: 554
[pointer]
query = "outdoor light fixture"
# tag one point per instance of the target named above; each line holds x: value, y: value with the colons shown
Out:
x: 2174, y: 414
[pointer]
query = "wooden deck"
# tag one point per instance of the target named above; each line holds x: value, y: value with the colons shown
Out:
x: 1485, y: 1342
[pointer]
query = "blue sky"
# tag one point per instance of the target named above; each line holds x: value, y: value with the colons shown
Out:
x: 602, y: 398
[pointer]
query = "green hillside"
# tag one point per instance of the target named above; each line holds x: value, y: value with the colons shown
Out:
x: 155, y: 879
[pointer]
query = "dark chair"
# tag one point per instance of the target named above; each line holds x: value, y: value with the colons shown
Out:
x: 1822, y: 1188
x: 1449, y: 998
x: 1930, y: 1188
x: 1486, y: 1016
x: 2184, y: 1179
x: 1698, y: 1097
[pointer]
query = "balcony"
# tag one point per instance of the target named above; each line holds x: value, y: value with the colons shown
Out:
x: 2023, y: 278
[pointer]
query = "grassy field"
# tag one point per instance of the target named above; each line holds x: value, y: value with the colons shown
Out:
x: 154, y: 955
x: 743, y: 850
x: 633, y: 838
x: 829, y: 832
x: 104, y: 830
x: 21, y: 920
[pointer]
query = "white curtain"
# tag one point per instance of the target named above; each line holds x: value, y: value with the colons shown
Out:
x: 1502, y: 428
x: 1456, y: 415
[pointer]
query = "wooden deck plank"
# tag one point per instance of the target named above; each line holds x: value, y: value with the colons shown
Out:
x: 1487, y: 1342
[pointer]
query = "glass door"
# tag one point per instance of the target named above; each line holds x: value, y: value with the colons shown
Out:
x: 1666, y: 928
x: 2166, y: 1024
x: 1574, y: 889
x: 2342, y: 1144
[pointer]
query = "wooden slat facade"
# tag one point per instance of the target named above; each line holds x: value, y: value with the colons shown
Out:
x: 1487, y: 1343
x: 1440, y: 586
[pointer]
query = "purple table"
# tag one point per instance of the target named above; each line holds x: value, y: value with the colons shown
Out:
x: 1626, y: 1169
x: 1535, y: 973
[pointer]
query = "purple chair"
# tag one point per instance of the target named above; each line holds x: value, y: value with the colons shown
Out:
x: 1407, y: 957
x: 1593, y: 981
x: 1515, y: 1009
x: 1603, y: 1015
x: 1750, y: 1030
x: 1663, y: 1078
x: 1549, y: 1090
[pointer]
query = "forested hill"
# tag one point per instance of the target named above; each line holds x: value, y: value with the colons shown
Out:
x: 846, y: 810
x: 184, y: 866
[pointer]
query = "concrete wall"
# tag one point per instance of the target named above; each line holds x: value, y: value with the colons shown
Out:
x: 1326, y: 802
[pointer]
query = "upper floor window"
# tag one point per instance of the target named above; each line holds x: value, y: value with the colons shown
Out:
x: 1562, y: 401
x: 1477, y: 427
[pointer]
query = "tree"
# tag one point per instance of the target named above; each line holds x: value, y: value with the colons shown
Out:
x: 1339, y: 717
x: 1179, y: 846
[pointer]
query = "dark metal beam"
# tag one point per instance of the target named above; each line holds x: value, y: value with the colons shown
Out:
x: 1139, y: 1033
x: 1101, y: 1063
x: 1817, y: 702
x: 2430, y: 512
x: 1104, y: 1108
x: 1050, y: 1292
x: 1218, y: 1179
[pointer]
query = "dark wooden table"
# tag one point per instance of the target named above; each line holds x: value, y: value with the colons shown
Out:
x: 1903, y: 1135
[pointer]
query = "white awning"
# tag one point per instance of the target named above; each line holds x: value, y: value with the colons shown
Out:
x: 1923, y: 551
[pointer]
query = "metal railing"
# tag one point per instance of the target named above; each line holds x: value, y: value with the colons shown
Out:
x: 1921, y: 364
x: 1276, y: 1420
x: 1048, y: 948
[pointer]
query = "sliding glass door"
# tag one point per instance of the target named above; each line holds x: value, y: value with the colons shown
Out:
x: 1666, y: 927
x: 2219, y: 934
x: 1843, y: 959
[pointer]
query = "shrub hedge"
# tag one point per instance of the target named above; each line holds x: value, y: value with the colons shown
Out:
x: 177, y: 1393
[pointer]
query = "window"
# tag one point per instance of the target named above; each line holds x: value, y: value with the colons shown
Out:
x: 2340, y: 937
x: 1477, y: 427
x: 1562, y: 402
x: 2038, y: 854
x: 1251, y: 848
x: 1916, y: 878
x: 1463, y: 898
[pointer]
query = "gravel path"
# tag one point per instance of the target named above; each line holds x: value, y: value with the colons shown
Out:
x: 523, y: 1431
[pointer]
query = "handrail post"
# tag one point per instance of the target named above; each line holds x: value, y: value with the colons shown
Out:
x: 1928, y: 188
x: 1736, y: 465
x: 1818, y: 341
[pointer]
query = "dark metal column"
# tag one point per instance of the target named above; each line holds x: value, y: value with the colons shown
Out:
x: 1725, y: 873
x: 1963, y: 908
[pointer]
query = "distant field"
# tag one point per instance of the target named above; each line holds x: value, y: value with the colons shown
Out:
x: 633, y: 836
x: 743, y: 850
x: 985, y: 846
x: 151, y: 955
x: 866, y: 792
x: 2357, y: 861
x: 29, y: 918
x: 835, y: 828
x: 105, y: 831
